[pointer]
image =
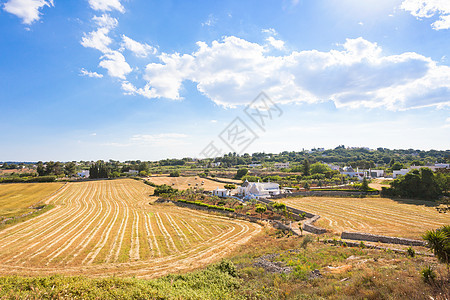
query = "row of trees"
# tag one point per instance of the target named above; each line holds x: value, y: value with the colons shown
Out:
x: 99, y: 170
x: 419, y: 184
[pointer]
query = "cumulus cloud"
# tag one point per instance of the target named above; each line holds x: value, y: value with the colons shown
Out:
x: 139, y: 49
x: 84, y: 72
x: 114, y: 62
x: 97, y: 39
x: 277, y: 44
x: 429, y: 8
x: 232, y: 71
x: 105, y: 21
x: 27, y: 10
x: 106, y: 5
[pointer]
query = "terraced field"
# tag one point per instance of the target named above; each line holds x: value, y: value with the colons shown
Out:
x: 18, y: 198
x: 184, y: 183
x: 108, y: 227
x: 409, y: 219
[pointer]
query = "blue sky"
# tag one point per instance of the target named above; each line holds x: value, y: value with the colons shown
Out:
x: 115, y: 79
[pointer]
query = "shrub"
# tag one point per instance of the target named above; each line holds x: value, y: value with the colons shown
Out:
x: 164, y: 189
x: 306, y: 240
x: 428, y: 274
x: 411, y: 252
x: 175, y: 173
x: 227, y: 266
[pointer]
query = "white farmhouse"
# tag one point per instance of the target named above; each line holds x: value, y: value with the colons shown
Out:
x: 259, y: 189
x: 221, y: 192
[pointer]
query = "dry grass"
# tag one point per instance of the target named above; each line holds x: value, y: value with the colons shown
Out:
x: 403, y: 218
x: 18, y: 198
x: 184, y: 183
x: 100, y: 228
x: 378, y: 184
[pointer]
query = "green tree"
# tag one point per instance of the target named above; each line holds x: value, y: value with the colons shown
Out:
x: 397, y: 166
x: 364, y: 185
x: 230, y: 186
x: 175, y: 173
x: 241, y: 173
x: 306, y: 168
x: 260, y: 209
x: 41, y: 169
x: 319, y: 168
x: 70, y: 168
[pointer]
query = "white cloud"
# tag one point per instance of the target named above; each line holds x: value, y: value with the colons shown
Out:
x: 429, y: 8
x: 232, y: 71
x: 106, y: 5
x: 84, y: 72
x: 106, y: 21
x: 116, y: 64
x: 27, y: 10
x: 139, y: 49
x: 97, y: 39
x: 277, y: 44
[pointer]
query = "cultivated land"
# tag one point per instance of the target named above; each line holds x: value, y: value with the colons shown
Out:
x: 402, y: 218
x: 19, y: 198
x: 101, y: 228
x: 184, y: 183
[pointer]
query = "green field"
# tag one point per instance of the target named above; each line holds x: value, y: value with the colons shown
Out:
x: 18, y: 198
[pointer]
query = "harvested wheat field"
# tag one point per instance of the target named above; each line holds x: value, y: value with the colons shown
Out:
x: 402, y: 218
x: 184, y: 183
x: 101, y: 228
x: 19, y: 198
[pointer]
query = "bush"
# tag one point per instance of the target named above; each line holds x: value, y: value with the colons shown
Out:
x: 175, y: 173
x: 428, y: 274
x: 306, y: 240
x: 227, y: 266
x: 411, y: 252
x: 164, y: 189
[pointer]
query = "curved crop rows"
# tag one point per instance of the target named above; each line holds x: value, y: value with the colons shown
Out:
x: 108, y: 227
x: 409, y: 219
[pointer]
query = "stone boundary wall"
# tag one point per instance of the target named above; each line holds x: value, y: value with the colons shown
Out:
x: 308, y: 226
x: 381, y: 238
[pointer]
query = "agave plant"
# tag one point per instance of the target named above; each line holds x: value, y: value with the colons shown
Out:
x: 439, y: 241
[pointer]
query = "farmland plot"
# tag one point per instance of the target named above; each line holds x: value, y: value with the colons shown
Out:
x: 409, y: 219
x: 108, y: 227
x: 184, y: 183
x: 18, y: 198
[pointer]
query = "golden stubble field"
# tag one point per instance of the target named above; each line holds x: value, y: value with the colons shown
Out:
x: 18, y: 198
x: 101, y: 228
x: 184, y: 183
x: 402, y: 218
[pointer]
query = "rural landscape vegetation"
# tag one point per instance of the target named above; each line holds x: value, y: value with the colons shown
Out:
x: 289, y: 149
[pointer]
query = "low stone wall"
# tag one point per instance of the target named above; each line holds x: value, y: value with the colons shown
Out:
x: 308, y: 226
x: 358, y: 236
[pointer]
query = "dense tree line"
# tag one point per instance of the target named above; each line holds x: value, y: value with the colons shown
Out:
x: 419, y: 184
x: 99, y: 170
